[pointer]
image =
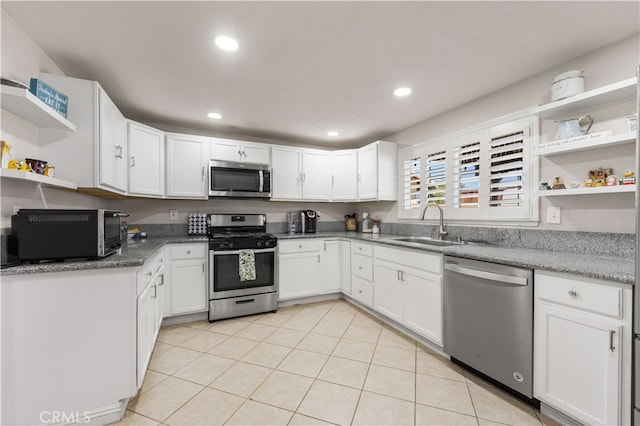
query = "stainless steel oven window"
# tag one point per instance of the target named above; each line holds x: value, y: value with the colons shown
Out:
x: 225, y: 273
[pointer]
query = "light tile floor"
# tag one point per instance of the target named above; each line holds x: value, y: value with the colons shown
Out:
x: 321, y: 363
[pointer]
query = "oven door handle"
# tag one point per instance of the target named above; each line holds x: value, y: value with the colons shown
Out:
x: 216, y: 252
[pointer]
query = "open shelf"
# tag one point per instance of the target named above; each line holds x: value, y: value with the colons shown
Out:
x: 592, y: 98
x: 36, y: 178
x: 25, y: 105
x: 588, y: 191
x: 622, y: 138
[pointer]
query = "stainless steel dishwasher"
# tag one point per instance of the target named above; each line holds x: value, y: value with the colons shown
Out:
x: 488, y: 321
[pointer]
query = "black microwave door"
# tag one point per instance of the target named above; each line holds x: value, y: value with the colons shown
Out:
x: 111, y: 230
x: 235, y: 180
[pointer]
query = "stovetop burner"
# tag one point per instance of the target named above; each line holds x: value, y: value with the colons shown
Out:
x: 234, y: 231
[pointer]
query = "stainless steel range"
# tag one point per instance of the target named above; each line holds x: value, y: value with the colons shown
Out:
x: 242, y: 275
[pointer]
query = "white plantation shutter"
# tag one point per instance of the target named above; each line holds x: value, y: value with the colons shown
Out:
x: 466, y: 173
x: 412, y: 190
x: 436, y: 177
x: 506, y: 172
x: 485, y: 174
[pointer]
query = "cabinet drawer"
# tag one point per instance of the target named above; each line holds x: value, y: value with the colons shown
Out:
x: 413, y: 258
x: 188, y: 251
x: 149, y: 271
x: 580, y: 293
x: 299, y: 246
x: 362, y: 291
x: 362, y: 266
x: 361, y: 248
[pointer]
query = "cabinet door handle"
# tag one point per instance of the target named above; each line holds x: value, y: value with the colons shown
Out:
x: 149, y: 273
x: 155, y: 292
x: 612, y: 334
x: 133, y: 161
x: 318, y: 258
x: 161, y: 279
x: 202, y: 174
x: 398, y: 275
x: 240, y: 154
x: 325, y: 246
x: 573, y: 293
x: 203, y: 268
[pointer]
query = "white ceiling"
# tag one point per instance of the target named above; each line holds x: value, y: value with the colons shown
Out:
x: 304, y: 68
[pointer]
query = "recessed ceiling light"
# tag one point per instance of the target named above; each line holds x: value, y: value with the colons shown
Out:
x: 214, y: 115
x: 402, y: 91
x: 332, y: 133
x: 226, y: 43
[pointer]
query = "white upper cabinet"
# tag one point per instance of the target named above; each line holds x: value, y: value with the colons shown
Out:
x: 378, y: 171
x: 366, y: 174
x: 146, y: 160
x: 239, y: 151
x: 301, y: 174
x: 113, y: 144
x: 286, y: 176
x: 95, y: 156
x: 187, y: 161
x: 316, y: 175
x: 344, y: 185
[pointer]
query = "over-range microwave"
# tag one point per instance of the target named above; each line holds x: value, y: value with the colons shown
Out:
x: 242, y: 180
x: 58, y: 234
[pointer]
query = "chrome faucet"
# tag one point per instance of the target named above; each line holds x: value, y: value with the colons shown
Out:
x: 441, y: 232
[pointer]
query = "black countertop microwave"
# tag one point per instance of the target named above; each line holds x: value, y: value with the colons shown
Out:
x: 58, y: 234
x: 239, y: 180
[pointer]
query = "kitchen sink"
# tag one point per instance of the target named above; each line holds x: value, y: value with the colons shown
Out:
x: 429, y: 241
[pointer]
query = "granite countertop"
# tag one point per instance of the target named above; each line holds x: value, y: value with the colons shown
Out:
x: 132, y: 254
x: 615, y: 269
x: 135, y: 253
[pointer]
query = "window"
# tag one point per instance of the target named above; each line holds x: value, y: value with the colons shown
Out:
x: 412, y: 189
x: 436, y: 174
x: 480, y: 175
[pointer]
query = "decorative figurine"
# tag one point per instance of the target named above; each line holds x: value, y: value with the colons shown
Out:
x: 558, y: 183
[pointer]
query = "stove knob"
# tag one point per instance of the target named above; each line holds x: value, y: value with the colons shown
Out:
x: 260, y: 243
x: 230, y: 244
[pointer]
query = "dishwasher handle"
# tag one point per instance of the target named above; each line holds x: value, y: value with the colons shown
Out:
x: 507, y: 279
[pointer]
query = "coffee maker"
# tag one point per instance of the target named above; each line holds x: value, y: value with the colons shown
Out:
x: 308, y: 221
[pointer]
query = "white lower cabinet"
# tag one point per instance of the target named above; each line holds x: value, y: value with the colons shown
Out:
x: 362, y: 272
x: 298, y: 268
x: 582, y: 347
x: 150, y: 280
x: 334, y: 260
x: 187, y: 279
x: 311, y: 267
x: 68, y: 344
x: 409, y: 295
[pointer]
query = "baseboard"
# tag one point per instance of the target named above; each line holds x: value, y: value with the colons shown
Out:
x: 310, y: 299
x: 181, y: 319
x: 558, y: 416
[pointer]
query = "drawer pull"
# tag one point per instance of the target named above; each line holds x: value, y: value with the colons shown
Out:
x: 612, y: 334
x: 360, y: 291
x: 360, y: 267
x: 149, y: 273
x: 188, y: 252
x: 300, y: 246
x: 360, y: 248
x: 573, y: 293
